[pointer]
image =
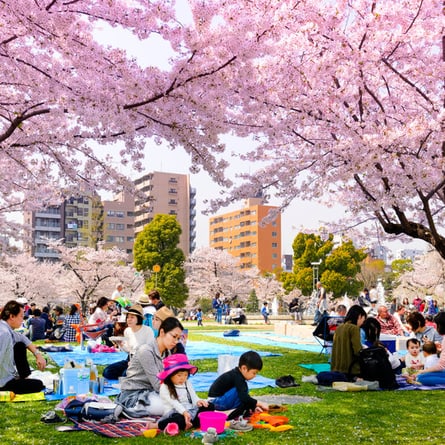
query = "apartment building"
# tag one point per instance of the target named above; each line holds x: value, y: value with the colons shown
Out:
x: 118, y: 222
x: 44, y: 224
x: 83, y: 221
x: 243, y: 234
x: 168, y: 194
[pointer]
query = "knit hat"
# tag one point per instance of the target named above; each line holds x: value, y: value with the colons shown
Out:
x: 176, y: 362
x: 136, y: 309
x: 164, y: 313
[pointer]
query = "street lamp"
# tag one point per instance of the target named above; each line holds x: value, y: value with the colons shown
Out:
x: 315, y: 268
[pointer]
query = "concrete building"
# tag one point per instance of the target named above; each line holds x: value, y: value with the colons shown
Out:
x: 45, y: 224
x: 83, y: 221
x: 242, y: 234
x: 168, y: 194
x: 409, y: 254
x: 77, y: 221
x: 118, y: 223
x: 287, y: 262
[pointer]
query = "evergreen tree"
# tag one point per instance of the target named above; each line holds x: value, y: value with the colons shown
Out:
x: 157, y: 245
x: 337, y: 269
x: 252, y: 302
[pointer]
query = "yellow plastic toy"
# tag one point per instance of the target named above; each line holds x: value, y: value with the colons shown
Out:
x: 150, y: 433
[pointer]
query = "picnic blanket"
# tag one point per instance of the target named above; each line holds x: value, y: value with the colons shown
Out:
x: 80, y: 355
x: 201, y: 381
x: 316, y: 367
x: 404, y: 386
x: 125, y: 428
x: 271, y: 339
x: 195, y: 350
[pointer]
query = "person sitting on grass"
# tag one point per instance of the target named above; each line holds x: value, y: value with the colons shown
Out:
x: 435, y: 375
x: 14, y: 366
x: 347, y: 343
x: 414, y: 359
x: 230, y: 391
x: 181, y: 403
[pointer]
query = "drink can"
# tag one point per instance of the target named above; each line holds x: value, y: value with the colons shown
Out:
x: 56, y: 386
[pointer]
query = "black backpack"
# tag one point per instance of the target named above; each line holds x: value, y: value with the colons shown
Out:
x: 375, y: 366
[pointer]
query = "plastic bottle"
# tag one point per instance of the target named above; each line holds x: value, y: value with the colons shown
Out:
x: 6, y: 396
x: 93, y: 373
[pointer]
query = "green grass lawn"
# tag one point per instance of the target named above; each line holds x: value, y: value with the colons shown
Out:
x: 379, y: 417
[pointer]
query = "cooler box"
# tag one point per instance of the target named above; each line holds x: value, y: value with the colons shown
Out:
x: 75, y: 381
x: 389, y: 341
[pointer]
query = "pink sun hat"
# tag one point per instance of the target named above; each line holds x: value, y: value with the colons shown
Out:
x: 176, y: 362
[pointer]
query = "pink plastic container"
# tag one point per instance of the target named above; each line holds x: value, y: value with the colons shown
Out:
x: 213, y: 419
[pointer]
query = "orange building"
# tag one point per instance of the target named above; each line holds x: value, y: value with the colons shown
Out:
x: 242, y: 234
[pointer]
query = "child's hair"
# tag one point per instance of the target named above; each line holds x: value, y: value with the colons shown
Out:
x: 412, y: 341
x: 251, y: 360
x: 429, y: 347
x: 171, y: 386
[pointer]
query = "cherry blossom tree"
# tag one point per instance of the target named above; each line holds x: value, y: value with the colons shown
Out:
x: 22, y: 276
x: 426, y: 277
x: 94, y: 273
x: 211, y: 270
x: 343, y: 99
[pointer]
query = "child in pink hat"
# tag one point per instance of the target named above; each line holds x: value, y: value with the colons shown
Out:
x: 181, y: 402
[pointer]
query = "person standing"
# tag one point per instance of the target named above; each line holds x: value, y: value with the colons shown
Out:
x: 265, y: 313
x: 321, y: 305
x: 199, y: 316
x: 14, y: 366
x: 217, y: 304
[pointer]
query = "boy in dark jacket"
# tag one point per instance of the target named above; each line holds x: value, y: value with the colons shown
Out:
x: 230, y: 390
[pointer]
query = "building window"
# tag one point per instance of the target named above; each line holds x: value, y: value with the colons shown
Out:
x: 274, y: 245
x: 274, y: 234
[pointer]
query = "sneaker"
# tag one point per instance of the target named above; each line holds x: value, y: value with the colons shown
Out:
x: 286, y: 381
x: 51, y: 417
x: 240, y: 425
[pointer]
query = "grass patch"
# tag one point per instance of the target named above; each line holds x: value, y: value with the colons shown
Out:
x: 379, y: 417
